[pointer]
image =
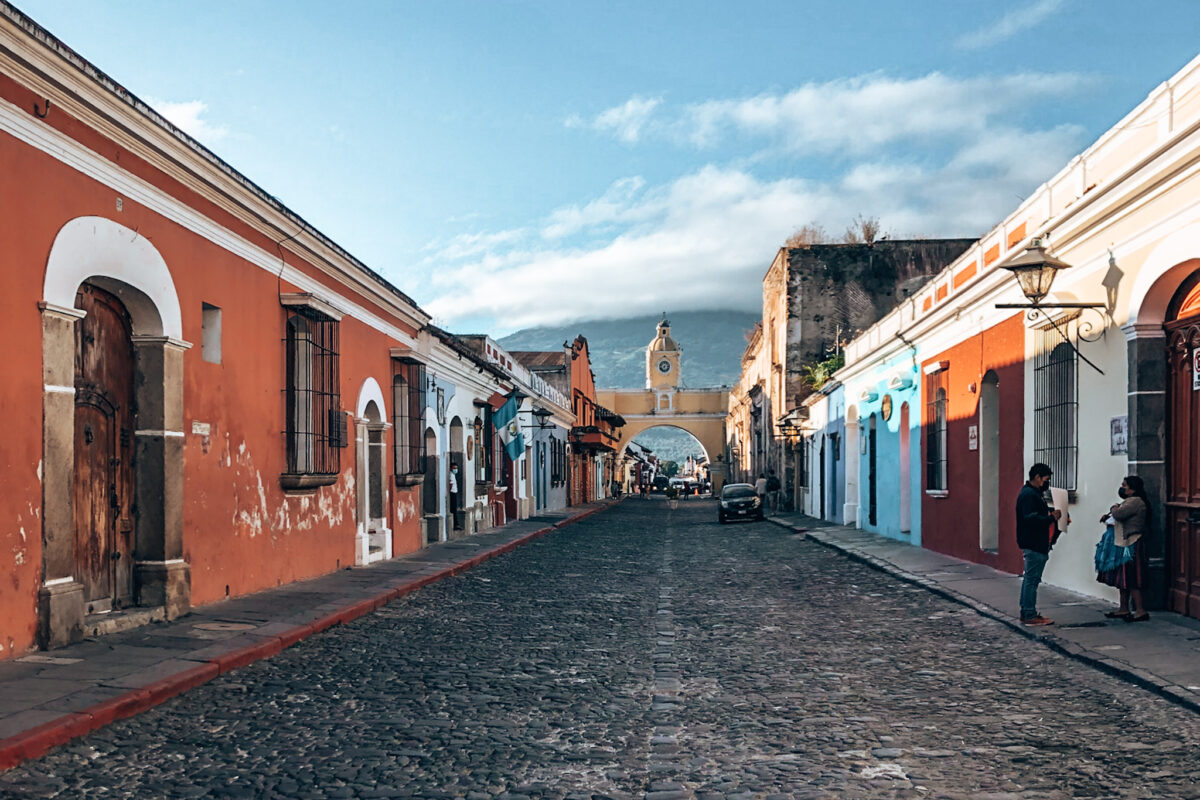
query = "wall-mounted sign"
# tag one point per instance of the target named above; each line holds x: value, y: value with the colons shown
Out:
x: 973, y: 437
x: 1118, y: 429
x: 1196, y: 368
x: 885, y: 408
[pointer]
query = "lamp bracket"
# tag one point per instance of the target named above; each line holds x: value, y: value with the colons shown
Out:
x: 1087, y: 330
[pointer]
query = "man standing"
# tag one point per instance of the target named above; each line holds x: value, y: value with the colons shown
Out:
x: 1035, y: 521
x: 454, y: 496
x: 773, y: 491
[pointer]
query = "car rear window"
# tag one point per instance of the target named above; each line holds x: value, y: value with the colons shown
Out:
x: 737, y: 491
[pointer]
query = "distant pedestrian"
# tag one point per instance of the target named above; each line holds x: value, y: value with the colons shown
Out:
x: 1036, y: 527
x: 760, y: 489
x: 454, y: 496
x: 1131, y: 520
x: 773, y: 486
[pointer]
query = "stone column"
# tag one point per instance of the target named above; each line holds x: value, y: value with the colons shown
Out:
x: 60, y: 598
x: 1147, y: 443
x: 162, y: 576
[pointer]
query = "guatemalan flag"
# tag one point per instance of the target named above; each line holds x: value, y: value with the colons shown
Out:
x: 509, y: 427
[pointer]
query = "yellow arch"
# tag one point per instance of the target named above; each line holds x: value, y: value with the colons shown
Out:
x: 700, y: 412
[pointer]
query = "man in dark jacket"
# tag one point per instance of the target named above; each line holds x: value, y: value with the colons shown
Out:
x: 1035, y: 521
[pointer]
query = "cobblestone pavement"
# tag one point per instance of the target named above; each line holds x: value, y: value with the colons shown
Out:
x: 649, y: 653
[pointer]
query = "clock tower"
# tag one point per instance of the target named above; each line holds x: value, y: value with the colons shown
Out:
x: 662, y: 360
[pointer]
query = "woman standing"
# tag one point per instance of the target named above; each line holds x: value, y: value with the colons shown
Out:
x: 1131, y: 521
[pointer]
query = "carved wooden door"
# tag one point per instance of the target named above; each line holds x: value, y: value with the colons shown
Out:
x: 1183, y: 468
x: 104, y: 418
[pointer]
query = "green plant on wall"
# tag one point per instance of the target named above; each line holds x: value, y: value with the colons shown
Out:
x: 818, y: 374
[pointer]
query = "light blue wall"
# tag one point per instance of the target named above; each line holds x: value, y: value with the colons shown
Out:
x: 834, y: 481
x: 887, y: 443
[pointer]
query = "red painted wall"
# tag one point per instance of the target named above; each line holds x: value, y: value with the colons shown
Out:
x: 242, y: 533
x: 950, y: 524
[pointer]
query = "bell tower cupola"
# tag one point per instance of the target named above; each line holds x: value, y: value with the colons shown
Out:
x: 663, y: 359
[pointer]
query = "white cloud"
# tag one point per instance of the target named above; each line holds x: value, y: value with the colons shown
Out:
x: 860, y: 115
x: 625, y: 121
x: 1012, y: 23
x: 188, y: 116
x: 932, y: 156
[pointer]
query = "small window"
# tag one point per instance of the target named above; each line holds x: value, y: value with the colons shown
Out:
x: 210, y: 333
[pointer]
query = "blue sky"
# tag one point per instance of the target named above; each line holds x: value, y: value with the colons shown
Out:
x: 521, y: 163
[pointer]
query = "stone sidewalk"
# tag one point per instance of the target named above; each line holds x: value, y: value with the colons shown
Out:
x: 1162, y: 655
x: 48, y: 698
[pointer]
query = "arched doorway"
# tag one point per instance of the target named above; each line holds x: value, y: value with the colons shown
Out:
x: 112, y: 446
x: 850, y: 509
x: 872, y: 473
x: 104, y: 453
x: 906, y: 492
x: 373, y: 540
x: 454, y: 506
x: 989, y: 462
x: 1183, y: 449
x: 430, y: 491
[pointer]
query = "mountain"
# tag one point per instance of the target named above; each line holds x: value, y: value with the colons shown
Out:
x: 712, y: 344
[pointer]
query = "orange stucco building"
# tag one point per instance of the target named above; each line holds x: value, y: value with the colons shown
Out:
x: 206, y: 396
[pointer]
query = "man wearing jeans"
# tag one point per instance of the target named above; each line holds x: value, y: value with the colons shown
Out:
x: 1035, y: 521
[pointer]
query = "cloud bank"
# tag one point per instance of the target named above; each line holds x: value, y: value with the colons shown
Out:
x: 929, y: 156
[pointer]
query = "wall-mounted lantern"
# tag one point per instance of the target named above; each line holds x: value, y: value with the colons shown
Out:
x: 1034, y: 270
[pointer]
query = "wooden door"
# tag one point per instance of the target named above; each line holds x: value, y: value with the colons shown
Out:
x: 1183, y: 468
x: 104, y: 421
x: 872, y: 474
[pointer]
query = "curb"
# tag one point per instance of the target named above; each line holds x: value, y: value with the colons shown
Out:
x: 1145, y: 680
x: 39, y: 740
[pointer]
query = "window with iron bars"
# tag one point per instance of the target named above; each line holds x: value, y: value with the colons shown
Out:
x: 316, y: 425
x: 1056, y: 403
x: 408, y: 413
x: 936, y: 458
x: 558, y: 459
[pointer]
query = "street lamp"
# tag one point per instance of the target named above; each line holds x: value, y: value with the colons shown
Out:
x: 1034, y: 270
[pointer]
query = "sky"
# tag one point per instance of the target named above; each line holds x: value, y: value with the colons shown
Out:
x: 511, y: 164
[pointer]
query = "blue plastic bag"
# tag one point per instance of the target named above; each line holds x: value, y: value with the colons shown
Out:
x: 1108, y: 555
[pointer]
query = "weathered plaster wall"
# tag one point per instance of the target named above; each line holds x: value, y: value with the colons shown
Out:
x: 852, y: 286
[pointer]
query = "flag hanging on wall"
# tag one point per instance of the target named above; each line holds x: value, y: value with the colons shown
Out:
x: 508, y: 425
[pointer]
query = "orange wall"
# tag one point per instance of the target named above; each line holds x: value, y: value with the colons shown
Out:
x: 241, y: 532
x: 950, y: 524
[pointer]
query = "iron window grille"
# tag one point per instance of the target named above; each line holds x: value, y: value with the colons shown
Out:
x: 316, y: 425
x: 1056, y: 403
x: 936, y: 458
x: 408, y: 413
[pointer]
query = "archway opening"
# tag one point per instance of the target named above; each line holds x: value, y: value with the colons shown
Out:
x: 989, y: 462
x: 670, y: 452
x: 430, y: 498
x: 850, y: 508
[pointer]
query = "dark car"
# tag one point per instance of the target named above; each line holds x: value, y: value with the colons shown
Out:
x: 738, y: 500
x: 661, y: 482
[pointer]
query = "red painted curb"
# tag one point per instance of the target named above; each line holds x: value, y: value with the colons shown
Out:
x: 37, y: 741
x: 248, y: 655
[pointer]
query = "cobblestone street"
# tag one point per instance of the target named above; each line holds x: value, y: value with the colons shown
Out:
x: 649, y: 652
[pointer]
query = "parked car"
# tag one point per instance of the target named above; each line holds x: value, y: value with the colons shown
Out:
x: 738, y: 501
